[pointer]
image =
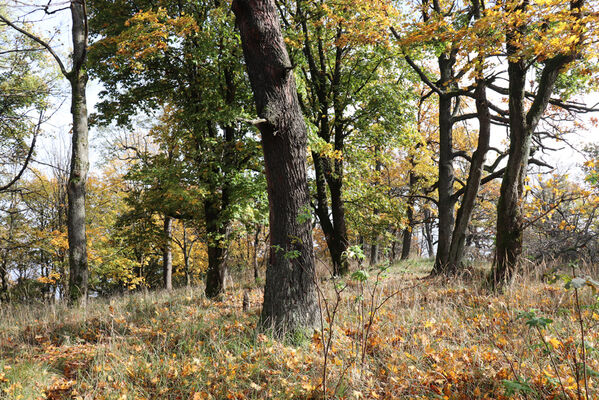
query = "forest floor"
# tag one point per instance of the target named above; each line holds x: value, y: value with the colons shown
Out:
x: 432, y: 339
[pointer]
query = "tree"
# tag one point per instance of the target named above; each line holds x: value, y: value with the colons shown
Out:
x: 289, y: 295
x: 448, y: 48
x: 77, y: 77
x: 564, y: 41
x: 25, y: 84
x: 338, y: 64
x: 159, y: 59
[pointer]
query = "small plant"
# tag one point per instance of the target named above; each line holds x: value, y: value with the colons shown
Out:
x: 576, y: 358
x: 369, y: 300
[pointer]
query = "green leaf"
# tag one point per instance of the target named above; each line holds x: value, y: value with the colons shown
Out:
x: 360, y: 275
x: 533, y: 321
x: 513, y: 387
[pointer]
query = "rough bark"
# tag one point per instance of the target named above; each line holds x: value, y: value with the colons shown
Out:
x: 214, y: 275
x: 167, y: 253
x: 522, y: 125
x: 289, y: 295
x: 78, y: 268
x: 458, y: 239
x: 446, y: 173
x: 445, y: 185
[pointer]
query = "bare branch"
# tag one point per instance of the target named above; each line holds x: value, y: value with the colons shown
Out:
x: 40, y: 42
x: 29, y: 154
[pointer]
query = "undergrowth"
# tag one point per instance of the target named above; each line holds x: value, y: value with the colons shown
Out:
x: 434, y: 339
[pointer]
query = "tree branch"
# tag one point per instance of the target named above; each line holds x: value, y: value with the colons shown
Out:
x: 40, y: 42
x: 29, y: 155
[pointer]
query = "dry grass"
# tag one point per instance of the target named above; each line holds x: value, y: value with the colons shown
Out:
x: 434, y: 339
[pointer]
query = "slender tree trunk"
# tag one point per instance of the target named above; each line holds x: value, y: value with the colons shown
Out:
x: 6, y: 251
x: 4, y: 279
x: 335, y: 181
x: 509, y: 213
x: 458, y: 239
x: 326, y: 86
x: 374, y: 245
x: 335, y: 231
x: 187, y: 270
x: 407, y: 232
x: 394, y: 242
x: 167, y: 253
x: 406, y: 242
x: 217, y: 222
x: 428, y: 233
x: 255, y: 255
x: 78, y: 274
x: 186, y: 254
x: 340, y: 243
x: 289, y: 295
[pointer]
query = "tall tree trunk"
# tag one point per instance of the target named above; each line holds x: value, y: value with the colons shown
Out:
x: 186, y: 255
x: 334, y: 230
x: 214, y: 230
x: 78, y: 273
x: 4, y: 279
x: 289, y: 295
x: 406, y: 240
x: 407, y: 232
x: 394, y: 241
x: 335, y: 182
x: 217, y: 223
x: 374, y: 245
x: 458, y: 239
x: 325, y: 80
x: 522, y: 123
x: 445, y: 183
x: 428, y: 232
x: 509, y: 213
x: 167, y: 253
x: 255, y: 255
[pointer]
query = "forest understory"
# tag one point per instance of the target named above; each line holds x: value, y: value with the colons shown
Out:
x: 389, y: 333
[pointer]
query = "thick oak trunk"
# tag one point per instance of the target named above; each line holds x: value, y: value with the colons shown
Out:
x: 289, y: 295
x: 78, y: 271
